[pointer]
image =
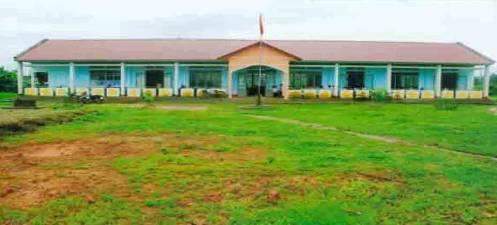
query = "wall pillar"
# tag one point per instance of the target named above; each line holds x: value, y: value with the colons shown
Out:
x: 438, y: 81
x: 389, y: 79
x: 336, y: 80
x: 71, y: 77
x: 230, y: 83
x: 486, y: 82
x: 176, y: 79
x: 123, y: 79
x: 20, y: 74
x: 286, y: 81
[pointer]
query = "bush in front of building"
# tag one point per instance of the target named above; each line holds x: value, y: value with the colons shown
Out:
x: 380, y: 95
x: 148, y: 98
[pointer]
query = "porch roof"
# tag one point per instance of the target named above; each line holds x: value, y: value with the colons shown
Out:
x: 212, y: 49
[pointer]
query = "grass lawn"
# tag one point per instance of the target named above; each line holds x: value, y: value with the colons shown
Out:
x: 134, y: 164
x: 471, y: 128
x: 5, y: 98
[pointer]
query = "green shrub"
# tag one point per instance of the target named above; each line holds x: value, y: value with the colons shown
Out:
x: 380, y: 95
x: 148, y: 98
x: 446, y: 104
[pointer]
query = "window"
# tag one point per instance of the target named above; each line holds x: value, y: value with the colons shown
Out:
x: 205, y: 78
x: 355, y: 78
x: 105, y: 77
x: 41, y: 79
x: 305, y: 79
x: 405, y: 79
x: 449, y: 79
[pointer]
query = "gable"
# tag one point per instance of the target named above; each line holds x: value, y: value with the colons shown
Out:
x: 251, y: 56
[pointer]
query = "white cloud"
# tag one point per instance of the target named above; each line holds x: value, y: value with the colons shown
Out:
x: 24, y: 23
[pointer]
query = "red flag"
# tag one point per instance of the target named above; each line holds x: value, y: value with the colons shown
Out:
x: 261, y: 25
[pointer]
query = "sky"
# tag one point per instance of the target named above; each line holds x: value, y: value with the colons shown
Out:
x: 24, y: 23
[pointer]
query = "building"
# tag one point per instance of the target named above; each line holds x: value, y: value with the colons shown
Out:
x: 294, y: 68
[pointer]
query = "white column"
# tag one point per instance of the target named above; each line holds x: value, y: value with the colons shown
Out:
x: 438, y: 81
x: 286, y: 81
x: 123, y: 79
x: 486, y: 82
x: 230, y: 83
x: 71, y: 77
x: 336, y: 80
x: 389, y: 78
x: 20, y: 74
x: 176, y: 79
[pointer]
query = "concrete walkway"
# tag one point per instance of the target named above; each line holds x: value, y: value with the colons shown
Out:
x: 385, y: 139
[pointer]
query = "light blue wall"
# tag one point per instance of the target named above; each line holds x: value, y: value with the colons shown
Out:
x: 82, y: 76
x: 462, y: 79
x: 427, y: 79
x: 374, y: 77
x: 224, y: 80
x: 342, y: 79
x: 134, y: 76
x: 328, y: 75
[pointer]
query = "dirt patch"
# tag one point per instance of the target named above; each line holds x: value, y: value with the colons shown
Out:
x: 183, y: 108
x: 33, y: 173
x: 493, y: 110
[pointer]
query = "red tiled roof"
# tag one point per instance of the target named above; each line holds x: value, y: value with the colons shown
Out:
x: 212, y: 49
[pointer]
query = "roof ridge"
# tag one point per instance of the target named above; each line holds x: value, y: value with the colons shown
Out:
x: 369, y: 41
x: 243, y: 39
x: 152, y: 39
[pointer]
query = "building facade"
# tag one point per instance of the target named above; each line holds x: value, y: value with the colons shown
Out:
x: 187, y: 67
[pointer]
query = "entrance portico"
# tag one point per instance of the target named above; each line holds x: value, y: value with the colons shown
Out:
x: 260, y: 54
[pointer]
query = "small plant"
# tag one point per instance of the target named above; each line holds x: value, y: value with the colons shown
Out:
x: 148, y: 98
x: 164, y: 151
x: 380, y: 95
x: 446, y: 104
x: 270, y: 159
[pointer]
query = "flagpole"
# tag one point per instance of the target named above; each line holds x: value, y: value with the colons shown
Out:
x: 260, y: 61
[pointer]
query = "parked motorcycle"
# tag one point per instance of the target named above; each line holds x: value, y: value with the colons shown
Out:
x: 87, y: 98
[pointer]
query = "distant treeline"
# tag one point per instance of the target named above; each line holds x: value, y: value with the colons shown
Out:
x: 8, y: 80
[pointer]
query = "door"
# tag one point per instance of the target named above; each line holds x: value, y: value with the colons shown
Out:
x: 449, y: 81
x: 252, y: 83
x: 154, y: 78
x: 355, y: 79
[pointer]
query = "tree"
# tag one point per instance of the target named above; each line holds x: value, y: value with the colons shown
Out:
x: 493, y: 85
x: 8, y: 80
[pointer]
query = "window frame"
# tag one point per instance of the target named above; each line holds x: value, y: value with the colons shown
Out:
x: 106, y: 77
x: 206, y: 78
x: 403, y: 79
x: 302, y: 79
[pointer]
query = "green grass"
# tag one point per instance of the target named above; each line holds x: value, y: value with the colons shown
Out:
x: 5, y: 98
x: 470, y: 128
x: 321, y: 176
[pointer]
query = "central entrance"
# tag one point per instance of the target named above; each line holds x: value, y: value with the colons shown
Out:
x: 248, y: 81
x: 154, y: 78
